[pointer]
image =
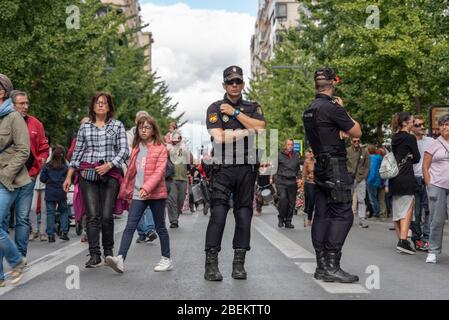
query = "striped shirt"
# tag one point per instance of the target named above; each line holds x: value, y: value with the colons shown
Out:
x: 94, y: 144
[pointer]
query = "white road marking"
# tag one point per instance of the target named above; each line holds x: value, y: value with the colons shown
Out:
x: 332, y: 287
x: 293, y: 250
x: 288, y: 247
x: 53, y: 259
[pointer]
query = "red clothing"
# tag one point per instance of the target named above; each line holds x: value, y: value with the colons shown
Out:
x: 168, y: 137
x: 72, y: 147
x: 201, y: 170
x: 78, y: 200
x: 38, y: 144
x: 154, y: 176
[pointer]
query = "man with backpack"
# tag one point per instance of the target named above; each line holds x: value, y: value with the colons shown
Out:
x: 358, y: 166
x: 181, y: 158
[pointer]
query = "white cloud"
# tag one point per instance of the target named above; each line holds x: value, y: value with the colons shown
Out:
x: 191, y: 49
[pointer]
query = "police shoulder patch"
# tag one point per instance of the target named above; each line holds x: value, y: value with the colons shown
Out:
x: 259, y: 110
x: 213, y: 117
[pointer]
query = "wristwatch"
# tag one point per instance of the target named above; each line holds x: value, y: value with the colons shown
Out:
x: 236, y: 113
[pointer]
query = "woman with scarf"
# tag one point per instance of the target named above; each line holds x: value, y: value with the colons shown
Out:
x: 14, y: 152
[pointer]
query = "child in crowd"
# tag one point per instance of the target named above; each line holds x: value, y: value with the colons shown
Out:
x: 53, y: 175
x: 144, y: 185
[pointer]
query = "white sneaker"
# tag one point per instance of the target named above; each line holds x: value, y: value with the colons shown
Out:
x: 431, y: 258
x: 164, y: 265
x: 116, y: 263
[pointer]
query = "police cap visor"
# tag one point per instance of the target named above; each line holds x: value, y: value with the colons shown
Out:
x: 325, y: 74
x: 233, y: 72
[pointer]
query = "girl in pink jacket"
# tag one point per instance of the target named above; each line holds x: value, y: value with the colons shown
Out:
x: 143, y: 186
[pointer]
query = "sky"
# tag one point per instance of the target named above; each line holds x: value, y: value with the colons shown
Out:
x: 243, y: 6
x: 194, y: 42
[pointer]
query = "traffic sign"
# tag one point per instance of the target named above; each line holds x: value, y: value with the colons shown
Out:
x: 298, y: 146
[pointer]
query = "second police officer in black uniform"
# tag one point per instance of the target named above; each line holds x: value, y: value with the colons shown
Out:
x: 326, y: 124
x: 234, y: 171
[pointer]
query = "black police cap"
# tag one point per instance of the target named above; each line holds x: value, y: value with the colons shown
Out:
x: 232, y: 72
x: 325, y: 74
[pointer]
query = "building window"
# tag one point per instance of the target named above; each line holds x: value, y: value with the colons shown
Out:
x: 279, y: 37
x: 281, y: 11
x: 103, y: 11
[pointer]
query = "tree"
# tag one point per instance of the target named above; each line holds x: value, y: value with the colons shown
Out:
x: 134, y: 90
x: 61, y: 67
x: 402, y: 65
x: 285, y: 93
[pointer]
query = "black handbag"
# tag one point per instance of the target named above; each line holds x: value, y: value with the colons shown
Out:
x: 90, y: 175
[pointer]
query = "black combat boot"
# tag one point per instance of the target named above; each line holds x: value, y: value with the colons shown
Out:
x: 212, y: 273
x: 288, y: 225
x: 280, y: 222
x: 333, y: 271
x: 238, y: 270
x: 320, y: 270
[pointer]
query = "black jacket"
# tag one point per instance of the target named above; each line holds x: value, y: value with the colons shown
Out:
x: 405, y: 148
x: 288, y: 169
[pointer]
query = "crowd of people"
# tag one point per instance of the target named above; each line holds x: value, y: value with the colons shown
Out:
x: 110, y: 170
x: 104, y: 168
x: 416, y: 199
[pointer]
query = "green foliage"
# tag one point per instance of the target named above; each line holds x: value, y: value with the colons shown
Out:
x: 62, y: 68
x: 403, y: 65
x: 285, y: 93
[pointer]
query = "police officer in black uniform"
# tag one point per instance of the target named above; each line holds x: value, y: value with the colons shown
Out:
x: 327, y: 124
x: 232, y: 124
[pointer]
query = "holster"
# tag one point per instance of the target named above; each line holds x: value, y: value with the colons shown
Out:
x: 339, y: 190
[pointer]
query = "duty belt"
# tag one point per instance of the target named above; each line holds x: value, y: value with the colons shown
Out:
x: 233, y: 165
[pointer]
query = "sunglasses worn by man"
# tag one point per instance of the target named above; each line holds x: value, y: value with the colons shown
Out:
x: 233, y: 82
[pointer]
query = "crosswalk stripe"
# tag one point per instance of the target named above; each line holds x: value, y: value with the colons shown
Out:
x: 288, y: 247
x: 53, y: 259
x: 293, y: 250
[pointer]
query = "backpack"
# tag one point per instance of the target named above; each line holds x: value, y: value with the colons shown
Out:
x: 389, y: 166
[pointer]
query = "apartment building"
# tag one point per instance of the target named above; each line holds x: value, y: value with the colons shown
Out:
x: 274, y: 17
x: 131, y: 9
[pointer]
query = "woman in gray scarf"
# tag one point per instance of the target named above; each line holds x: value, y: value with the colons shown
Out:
x: 14, y: 151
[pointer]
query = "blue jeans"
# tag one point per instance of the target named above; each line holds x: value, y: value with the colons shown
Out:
x: 373, y: 194
x: 8, y: 248
x: 146, y: 223
x: 136, y: 211
x: 421, y: 202
x: 63, y: 218
x: 23, y: 198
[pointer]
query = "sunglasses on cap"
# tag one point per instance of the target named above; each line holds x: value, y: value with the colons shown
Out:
x: 234, y: 81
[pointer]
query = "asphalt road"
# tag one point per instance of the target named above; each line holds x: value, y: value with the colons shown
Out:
x: 279, y: 265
